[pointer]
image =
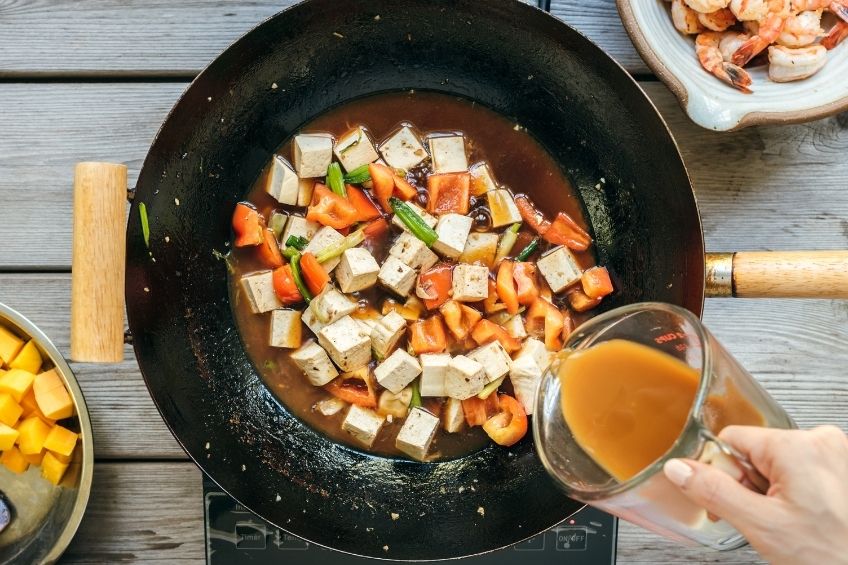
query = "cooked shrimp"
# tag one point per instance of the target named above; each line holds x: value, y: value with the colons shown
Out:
x: 685, y: 18
x: 838, y: 7
x: 836, y: 35
x: 707, y: 6
x: 787, y: 64
x: 801, y: 29
x: 707, y: 49
x: 749, y: 10
x: 730, y: 42
x: 719, y: 20
x: 767, y: 33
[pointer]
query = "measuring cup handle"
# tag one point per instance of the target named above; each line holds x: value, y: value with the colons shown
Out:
x: 727, y: 458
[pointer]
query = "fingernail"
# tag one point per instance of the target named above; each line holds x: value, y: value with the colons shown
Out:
x: 677, y: 471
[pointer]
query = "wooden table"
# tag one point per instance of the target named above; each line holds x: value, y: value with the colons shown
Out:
x: 93, y: 80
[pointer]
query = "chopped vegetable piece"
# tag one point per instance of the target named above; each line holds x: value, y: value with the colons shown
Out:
x: 285, y: 287
x: 507, y: 242
x: 533, y: 217
x: 297, y: 241
x: 486, y: 331
x: 449, y: 193
x: 491, y: 304
x: 403, y: 189
x: 434, y: 285
x: 397, y: 405
x: 336, y: 249
x: 248, y: 225
x: 506, y: 287
x: 428, y: 336
x: 356, y: 387
x: 567, y: 324
x: 298, y: 279
x: 596, y: 282
x: 145, y: 223
x: 416, y: 224
x: 330, y: 209
x: 411, y: 311
x: 277, y: 223
x: 335, y: 179
x: 544, y: 319
x: 376, y: 229
x: 527, y: 290
x: 491, y: 387
x: 416, y: 395
x: 384, y: 184
x: 477, y: 410
x: 528, y: 251
x: 365, y: 209
x: 313, y: 273
x: 269, y: 251
x: 509, y: 425
x: 358, y: 175
x: 580, y: 302
x: 459, y: 318
x: 565, y: 231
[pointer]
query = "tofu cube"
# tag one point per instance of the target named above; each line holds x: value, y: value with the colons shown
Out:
x: 398, y: 370
x: 312, y: 155
x: 494, y: 359
x: 434, y: 367
x: 347, y: 346
x: 403, y: 150
x: 453, y: 230
x: 386, y: 332
x: 515, y: 327
x: 428, y: 218
x: 315, y: 364
x: 560, y: 268
x: 503, y: 208
x: 413, y: 252
x: 330, y: 306
x: 363, y: 424
x: 305, y: 188
x: 482, y: 180
x: 312, y: 322
x: 281, y: 181
x: 300, y: 227
x: 397, y: 276
x: 470, y: 283
x: 416, y: 434
x: 464, y: 378
x: 325, y: 237
x: 329, y: 406
x: 480, y: 248
x: 525, y: 377
x: 536, y: 350
x: 357, y: 270
x: 259, y: 291
x: 453, y: 416
x: 448, y: 154
x: 285, y: 329
x: 355, y: 149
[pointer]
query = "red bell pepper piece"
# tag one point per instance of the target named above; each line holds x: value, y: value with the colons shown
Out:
x: 435, y: 284
x: 285, y: 287
x: 477, y: 410
x: 269, y: 250
x: 383, y: 180
x: 486, y: 331
x: 449, y: 192
x: 531, y: 215
x: 248, y: 225
x: 596, y: 282
x: 565, y: 231
x: 524, y: 275
x: 506, y: 286
x: 315, y: 276
x: 428, y: 336
x: 355, y: 388
x: 365, y: 209
x: 509, y: 425
x: 330, y: 209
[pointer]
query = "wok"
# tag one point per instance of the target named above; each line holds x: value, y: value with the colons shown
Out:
x: 517, y: 60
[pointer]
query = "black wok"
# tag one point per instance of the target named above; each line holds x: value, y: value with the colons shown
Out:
x: 517, y: 60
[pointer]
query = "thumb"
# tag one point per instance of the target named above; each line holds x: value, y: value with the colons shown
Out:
x: 716, y: 491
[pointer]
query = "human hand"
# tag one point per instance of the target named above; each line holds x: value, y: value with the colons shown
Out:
x: 803, y: 518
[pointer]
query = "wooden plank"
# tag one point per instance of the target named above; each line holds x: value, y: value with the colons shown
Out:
x: 142, y: 512
x: 760, y: 188
x: 641, y: 547
x: 165, y: 38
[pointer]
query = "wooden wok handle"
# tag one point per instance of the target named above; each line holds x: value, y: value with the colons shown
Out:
x: 99, y: 257
x: 778, y: 274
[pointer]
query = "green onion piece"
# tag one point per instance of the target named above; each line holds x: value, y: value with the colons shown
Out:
x: 290, y: 252
x: 145, y: 225
x: 529, y: 250
x: 507, y: 242
x: 277, y: 223
x: 298, y: 278
x: 413, y: 221
x: 335, y: 179
x: 416, y: 395
x: 297, y: 241
x: 490, y: 388
x: 335, y: 250
x: 358, y: 175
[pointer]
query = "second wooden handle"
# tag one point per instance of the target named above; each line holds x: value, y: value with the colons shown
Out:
x: 98, y: 263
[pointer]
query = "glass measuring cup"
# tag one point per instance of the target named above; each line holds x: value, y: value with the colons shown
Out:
x: 727, y: 394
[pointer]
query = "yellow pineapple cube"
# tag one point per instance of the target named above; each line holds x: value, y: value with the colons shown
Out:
x: 52, y: 469
x: 14, y: 460
x: 10, y: 410
x: 10, y: 344
x: 35, y: 459
x: 16, y: 382
x: 61, y: 440
x: 29, y: 358
x: 8, y: 437
x: 52, y: 396
x: 33, y: 432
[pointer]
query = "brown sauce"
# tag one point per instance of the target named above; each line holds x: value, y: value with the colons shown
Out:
x: 516, y: 160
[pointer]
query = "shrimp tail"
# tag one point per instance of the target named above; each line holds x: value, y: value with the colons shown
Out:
x: 748, y: 51
x: 735, y: 76
x: 835, y: 36
x: 840, y: 9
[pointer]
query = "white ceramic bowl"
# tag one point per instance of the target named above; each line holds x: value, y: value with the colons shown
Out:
x: 715, y: 105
